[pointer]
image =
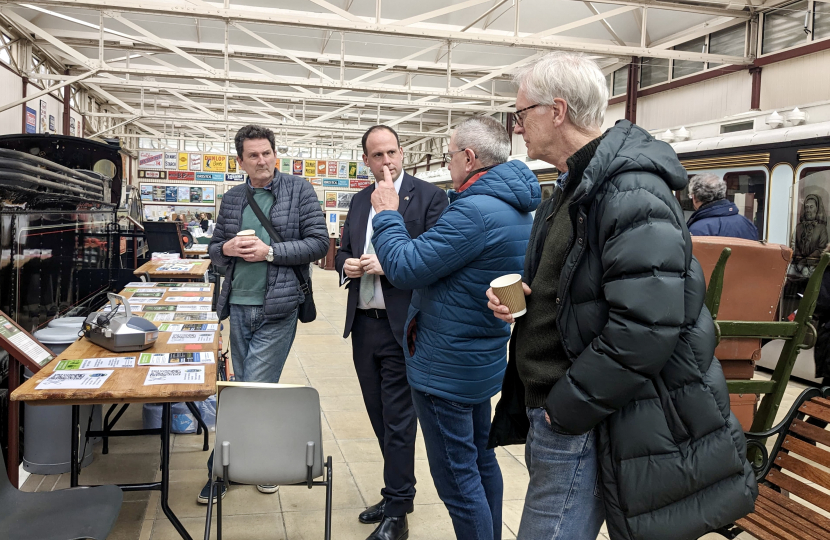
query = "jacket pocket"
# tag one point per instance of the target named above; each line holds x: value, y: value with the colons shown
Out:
x: 675, y: 424
x: 411, y: 335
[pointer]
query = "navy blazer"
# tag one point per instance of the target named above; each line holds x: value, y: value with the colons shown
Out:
x: 421, y: 204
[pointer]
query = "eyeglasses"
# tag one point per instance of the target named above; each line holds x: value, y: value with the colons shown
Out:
x: 517, y: 116
x: 448, y: 155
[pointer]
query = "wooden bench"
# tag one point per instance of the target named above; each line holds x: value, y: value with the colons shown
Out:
x: 791, y: 470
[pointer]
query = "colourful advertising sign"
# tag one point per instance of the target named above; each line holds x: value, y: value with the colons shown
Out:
x: 332, y: 168
x: 31, y: 120
x: 210, y: 177
x: 285, y: 165
x: 321, y: 168
x: 171, y: 161
x: 352, y: 169
x: 360, y: 183
x: 150, y: 159
x: 195, y: 162
x: 342, y: 169
x: 298, y: 167
x: 310, y: 169
x: 235, y: 177
x: 231, y: 164
x: 214, y: 163
x: 331, y: 199
x: 183, y: 161
x: 159, y: 175
x: 336, y: 182
x: 183, y: 176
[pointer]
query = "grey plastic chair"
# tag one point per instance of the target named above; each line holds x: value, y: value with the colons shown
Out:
x: 268, y: 434
x: 68, y: 514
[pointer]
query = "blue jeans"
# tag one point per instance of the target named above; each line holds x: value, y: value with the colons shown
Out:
x: 466, y: 474
x: 564, y: 498
x: 259, y: 347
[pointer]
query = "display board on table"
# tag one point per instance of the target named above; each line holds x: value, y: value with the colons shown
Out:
x: 22, y: 346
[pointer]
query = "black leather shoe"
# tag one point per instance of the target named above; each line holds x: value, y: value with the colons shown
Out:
x: 374, y: 513
x: 391, y: 528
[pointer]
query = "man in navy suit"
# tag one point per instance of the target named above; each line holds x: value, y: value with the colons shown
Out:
x: 375, y: 316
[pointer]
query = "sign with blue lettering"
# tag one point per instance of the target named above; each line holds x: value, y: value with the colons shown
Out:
x: 235, y: 177
x: 333, y: 218
x: 336, y: 182
x: 210, y: 177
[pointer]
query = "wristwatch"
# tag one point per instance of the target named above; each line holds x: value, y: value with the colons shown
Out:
x: 270, y: 255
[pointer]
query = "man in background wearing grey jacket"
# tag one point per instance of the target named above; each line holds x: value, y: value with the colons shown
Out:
x: 261, y: 293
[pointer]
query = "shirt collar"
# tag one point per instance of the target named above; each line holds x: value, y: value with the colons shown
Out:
x: 269, y: 186
x: 562, y: 180
x: 398, y: 183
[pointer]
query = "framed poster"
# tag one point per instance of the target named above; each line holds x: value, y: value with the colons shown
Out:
x: 195, y: 162
x: 178, y: 195
x: 362, y: 170
x: 232, y: 164
x: 51, y: 123
x: 31, y: 120
x: 310, y: 169
x: 208, y: 194
x: 146, y: 192
x: 342, y: 169
x: 285, y: 166
x: 331, y: 199
x: 183, y: 194
x: 158, y: 175
x: 184, y: 161
x: 171, y: 194
x: 298, y: 167
x: 171, y: 161
x: 322, y: 167
x: 72, y: 127
x: 332, y: 168
x: 360, y: 183
x: 353, y: 169
x: 159, y: 193
x: 150, y: 159
x: 44, y: 125
x: 214, y: 163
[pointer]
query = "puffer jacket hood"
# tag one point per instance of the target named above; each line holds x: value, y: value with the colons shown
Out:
x: 455, y: 349
x: 508, y: 182
x: 632, y: 320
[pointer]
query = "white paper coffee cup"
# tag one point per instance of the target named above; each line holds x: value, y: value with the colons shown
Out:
x: 246, y: 232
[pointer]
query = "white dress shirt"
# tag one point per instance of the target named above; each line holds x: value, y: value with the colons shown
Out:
x: 377, y: 301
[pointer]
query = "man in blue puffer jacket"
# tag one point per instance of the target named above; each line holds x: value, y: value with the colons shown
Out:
x: 455, y: 349
x: 715, y: 215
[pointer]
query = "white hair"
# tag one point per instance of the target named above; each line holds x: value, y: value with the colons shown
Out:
x: 570, y: 76
x: 707, y: 187
x: 485, y: 136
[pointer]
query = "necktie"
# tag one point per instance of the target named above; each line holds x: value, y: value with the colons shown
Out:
x: 367, y: 281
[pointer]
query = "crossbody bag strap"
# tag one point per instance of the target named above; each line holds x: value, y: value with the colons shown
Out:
x: 272, y: 232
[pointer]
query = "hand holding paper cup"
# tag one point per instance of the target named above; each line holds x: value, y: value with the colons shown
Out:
x: 508, y: 289
x: 246, y: 232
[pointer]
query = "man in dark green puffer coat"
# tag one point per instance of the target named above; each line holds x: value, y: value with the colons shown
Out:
x: 623, y: 405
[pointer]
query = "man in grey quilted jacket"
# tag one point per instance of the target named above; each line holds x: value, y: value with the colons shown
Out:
x: 261, y: 292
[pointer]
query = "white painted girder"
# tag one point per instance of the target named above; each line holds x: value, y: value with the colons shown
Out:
x: 422, y: 31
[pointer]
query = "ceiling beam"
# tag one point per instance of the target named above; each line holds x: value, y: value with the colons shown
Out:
x: 583, y: 22
x: 315, y: 20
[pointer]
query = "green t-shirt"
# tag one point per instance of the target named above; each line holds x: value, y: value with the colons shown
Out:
x: 250, y: 278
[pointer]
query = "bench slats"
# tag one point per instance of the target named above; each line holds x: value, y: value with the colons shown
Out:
x: 822, y: 401
x: 804, y: 470
x: 809, y: 431
x: 800, y: 489
x: 815, y: 410
x: 768, y: 494
x: 807, y: 450
x: 789, y: 520
x: 764, y: 529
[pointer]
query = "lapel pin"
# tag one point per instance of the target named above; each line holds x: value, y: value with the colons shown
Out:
x: 406, y: 198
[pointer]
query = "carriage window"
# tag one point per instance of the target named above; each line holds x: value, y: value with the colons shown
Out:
x: 748, y: 190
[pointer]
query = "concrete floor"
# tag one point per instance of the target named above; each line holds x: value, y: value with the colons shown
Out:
x: 320, y: 358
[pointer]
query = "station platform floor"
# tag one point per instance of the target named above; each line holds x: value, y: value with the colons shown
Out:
x: 321, y: 358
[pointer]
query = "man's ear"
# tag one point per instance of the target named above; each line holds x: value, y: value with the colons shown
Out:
x: 365, y: 160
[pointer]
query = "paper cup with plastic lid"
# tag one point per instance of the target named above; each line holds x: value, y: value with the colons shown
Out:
x: 508, y: 289
x: 246, y: 232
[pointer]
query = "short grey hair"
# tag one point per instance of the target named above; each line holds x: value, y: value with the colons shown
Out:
x: 570, y: 76
x: 707, y: 187
x: 485, y: 136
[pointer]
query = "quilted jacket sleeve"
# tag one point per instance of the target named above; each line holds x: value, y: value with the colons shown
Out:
x: 218, y: 239
x: 641, y: 246
x: 314, y: 237
x: 457, y: 238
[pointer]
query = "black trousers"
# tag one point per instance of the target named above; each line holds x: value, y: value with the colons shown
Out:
x: 381, y: 370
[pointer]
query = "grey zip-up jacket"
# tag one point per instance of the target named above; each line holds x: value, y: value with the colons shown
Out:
x: 298, y: 218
